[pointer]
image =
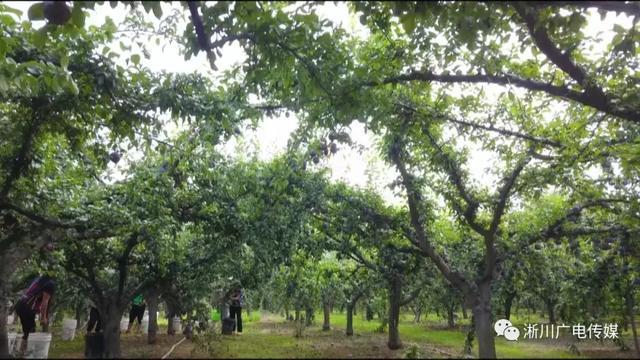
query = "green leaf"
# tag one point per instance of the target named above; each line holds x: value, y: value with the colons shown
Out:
x: 135, y: 58
x: 39, y: 38
x: 77, y: 16
x: 73, y: 87
x: 7, y: 20
x: 64, y: 61
x: 409, y: 23
x: 3, y: 48
x: 5, y: 8
x: 4, y: 84
x: 36, y: 12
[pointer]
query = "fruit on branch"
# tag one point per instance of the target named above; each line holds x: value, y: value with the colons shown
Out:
x: 115, y: 157
x: 56, y: 12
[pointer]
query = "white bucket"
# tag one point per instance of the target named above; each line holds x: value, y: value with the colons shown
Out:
x: 38, y: 346
x: 124, y: 324
x: 176, y: 325
x: 145, y: 324
x: 69, y: 329
x: 12, y: 339
x: 10, y: 319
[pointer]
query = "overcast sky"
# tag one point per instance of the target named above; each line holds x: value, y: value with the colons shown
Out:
x: 272, y: 135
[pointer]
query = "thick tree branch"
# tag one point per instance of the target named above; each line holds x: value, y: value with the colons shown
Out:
x: 505, y: 193
x: 555, y: 228
x: 357, y: 257
x: 564, y: 92
x: 203, y: 40
x: 123, y: 267
x: 90, y: 275
x: 504, y: 132
x: 627, y: 7
x: 416, y: 292
x: 451, y: 167
x: 230, y: 38
x: 51, y: 222
x: 592, y: 230
x: 419, y: 232
x: 20, y: 161
x: 544, y: 43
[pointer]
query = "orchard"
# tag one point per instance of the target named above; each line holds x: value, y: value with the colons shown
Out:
x: 327, y: 180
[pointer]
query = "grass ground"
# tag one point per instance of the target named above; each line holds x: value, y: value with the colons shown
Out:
x: 274, y: 337
x: 270, y: 336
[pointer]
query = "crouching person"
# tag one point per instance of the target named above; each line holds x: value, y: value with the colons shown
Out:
x: 34, y: 300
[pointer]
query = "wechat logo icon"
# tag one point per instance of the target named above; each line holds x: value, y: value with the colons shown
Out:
x: 503, y: 327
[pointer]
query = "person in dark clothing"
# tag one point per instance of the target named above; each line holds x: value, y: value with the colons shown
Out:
x: 35, y: 300
x: 138, y: 306
x: 235, y: 308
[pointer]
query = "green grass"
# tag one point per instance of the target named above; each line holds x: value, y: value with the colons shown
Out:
x: 430, y: 330
x: 270, y: 336
x: 248, y: 318
x: 254, y: 344
x: 59, y: 348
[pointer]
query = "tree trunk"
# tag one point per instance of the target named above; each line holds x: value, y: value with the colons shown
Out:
x: 369, y: 313
x: 326, y: 309
x: 110, y: 315
x: 395, y: 295
x: 630, y: 304
x: 8, y: 263
x: 171, y: 312
x: 152, y: 302
x: 468, y: 342
x: 170, y: 316
x: 417, y: 313
x: 80, y: 311
x: 4, y: 313
x: 451, y: 321
x: 508, y: 303
x: 297, y: 315
x: 355, y: 312
x: 625, y: 321
x: 349, y: 319
x: 308, y: 316
x: 551, y: 310
x: 464, y: 311
x: 482, y: 319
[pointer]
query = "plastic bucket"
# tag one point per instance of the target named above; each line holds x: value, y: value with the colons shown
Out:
x: 124, y: 324
x: 12, y: 339
x: 228, y: 325
x: 38, y: 346
x: 69, y: 329
x: 145, y: 324
x: 176, y: 325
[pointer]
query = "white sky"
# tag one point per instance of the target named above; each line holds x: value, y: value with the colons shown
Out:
x: 273, y: 133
